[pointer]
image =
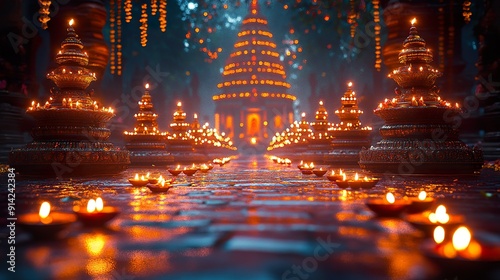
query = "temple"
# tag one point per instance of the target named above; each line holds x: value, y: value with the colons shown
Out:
x: 253, y: 101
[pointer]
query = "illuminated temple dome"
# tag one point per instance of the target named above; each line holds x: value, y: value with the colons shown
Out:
x: 348, y: 136
x: 70, y: 134
x: 253, y: 101
x: 147, y: 144
x: 418, y: 135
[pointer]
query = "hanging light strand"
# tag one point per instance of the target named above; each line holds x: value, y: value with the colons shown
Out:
x: 352, y: 18
x: 128, y: 10
x: 163, y: 15
x: 441, y: 36
x: 144, y: 25
x: 119, y: 38
x: 466, y: 13
x: 112, y: 38
x: 154, y: 7
x: 44, y: 12
x: 378, y: 48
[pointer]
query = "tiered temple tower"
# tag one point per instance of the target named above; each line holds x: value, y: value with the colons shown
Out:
x: 348, y: 136
x: 419, y: 136
x: 253, y: 101
x: 70, y: 134
x: 147, y: 144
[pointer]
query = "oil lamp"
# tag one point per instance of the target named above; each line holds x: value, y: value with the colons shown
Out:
x: 45, y: 224
x: 332, y: 176
x: 365, y: 183
x: 420, y: 203
x: 428, y: 220
x: 161, y: 186
x: 175, y: 171
x: 307, y: 169
x: 462, y: 250
x: 190, y: 171
x: 388, y: 206
x: 343, y: 184
x: 138, y: 181
x: 319, y: 172
x: 204, y: 168
x: 95, y: 214
x: 153, y: 179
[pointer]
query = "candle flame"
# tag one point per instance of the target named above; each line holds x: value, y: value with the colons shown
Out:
x: 461, y: 238
x: 439, y: 234
x: 390, y: 198
x: 321, y: 102
x: 344, y: 177
x: 195, y: 115
x: 147, y: 85
x: 356, y: 177
x: 413, y: 21
x: 44, y: 210
x: 91, y: 206
x: 71, y: 22
x: 440, y: 216
x: 179, y: 104
x: 99, y: 204
x: 349, y: 84
x: 303, y: 114
x: 333, y: 172
x: 311, y: 165
x: 422, y: 195
x: 136, y: 176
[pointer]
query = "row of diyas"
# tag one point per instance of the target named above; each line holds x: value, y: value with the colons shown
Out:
x: 390, y: 206
x: 141, y: 180
x: 48, y: 224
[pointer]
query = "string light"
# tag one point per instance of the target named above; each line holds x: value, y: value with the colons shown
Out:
x: 163, y: 15
x: 441, y: 36
x: 128, y: 10
x: 112, y: 38
x: 154, y: 7
x: 378, y: 48
x: 44, y: 12
x: 119, y: 39
x: 144, y: 25
x: 466, y: 13
x: 352, y: 18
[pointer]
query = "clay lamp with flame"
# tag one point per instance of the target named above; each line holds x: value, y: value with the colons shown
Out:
x: 307, y: 169
x: 420, y: 203
x: 96, y: 214
x: 190, y: 171
x: 176, y: 171
x: 300, y: 165
x: 388, y: 206
x: 204, y: 168
x: 45, y: 224
x: 161, y: 186
x: 365, y: 183
x: 343, y: 184
x: 428, y: 220
x: 319, y: 172
x: 138, y: 181
x: 332, y: 176
x: 462, y: 251
x: 154, y: 178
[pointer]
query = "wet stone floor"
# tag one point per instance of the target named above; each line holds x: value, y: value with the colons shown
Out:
x: 250, y: 219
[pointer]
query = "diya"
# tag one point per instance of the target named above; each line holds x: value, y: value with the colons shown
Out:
x: 176, y: 171
x: 138, y: 181
x: 365, y: 183
x: 45, y: 224
x: 335, y: 177
x: 427, y: 221
x: 161, y: 186
x: 388, y: 206
x: 420, y: 203
x: 96, y: 214
x: 319, y: 172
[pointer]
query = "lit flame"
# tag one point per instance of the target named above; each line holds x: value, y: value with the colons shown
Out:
x: 321, y: 102
x: 253, y: 140
x: 179, y: 104
x: 440, y: 216
x: 422, y: 195
x: 333, y: 172
x: 136, y: 176
x: 356, y: 177
x: 91, y: 206
x: 44, y: 210
x: 147, y: 85
x: 390, y: 198
x: 349, y: 84
x: 71, y: 21
x: 413, y: 21
x: 461, y: 238
x: 439, y: 234
x: 344, y: 177
x: 99, y: 204
x: 303, y: 114
x: 195, y: 115
x: 311, y: 165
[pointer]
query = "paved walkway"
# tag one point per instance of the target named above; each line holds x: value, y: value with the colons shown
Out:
x: 251, y: 219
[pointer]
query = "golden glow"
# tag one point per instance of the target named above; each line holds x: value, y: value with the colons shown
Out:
x: 439, y: 234
x: 44, y: 210
x: 413, y: 21
x: 461, y: 238
x: 349, y: 84
x: 440, y: 216
x: 422, y: 195
x: 253, y: 140
x: 147, y: 85
x: 179, y: 104
x: 390, y: 198
x: 71, y: 22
